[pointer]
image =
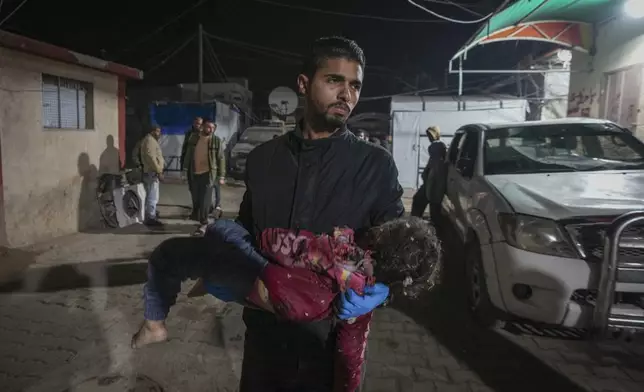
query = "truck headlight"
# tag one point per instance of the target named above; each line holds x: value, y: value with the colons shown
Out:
x: 536, y: 235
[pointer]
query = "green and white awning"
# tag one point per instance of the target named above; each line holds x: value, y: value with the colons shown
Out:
x: 568, y: 23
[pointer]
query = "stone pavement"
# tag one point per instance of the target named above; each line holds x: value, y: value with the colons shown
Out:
x: 71, y: 318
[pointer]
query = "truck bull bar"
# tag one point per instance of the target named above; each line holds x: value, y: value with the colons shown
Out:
x: 607, y: 315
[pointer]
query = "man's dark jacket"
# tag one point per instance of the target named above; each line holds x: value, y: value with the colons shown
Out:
x: 315, y: 185
x: 435, y: 174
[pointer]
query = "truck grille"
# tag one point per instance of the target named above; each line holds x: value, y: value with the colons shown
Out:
x: 589, y: 240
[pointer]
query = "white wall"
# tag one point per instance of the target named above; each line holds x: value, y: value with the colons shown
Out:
x: 556, y: 87
x: 410, y: 150
x: 620, y: 44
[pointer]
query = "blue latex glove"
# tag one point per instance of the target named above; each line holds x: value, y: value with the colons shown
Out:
x: 221, y: 293
x: 354, y: 305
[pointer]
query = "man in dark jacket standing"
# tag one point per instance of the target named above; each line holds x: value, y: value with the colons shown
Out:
x: 436, y: 180
x: 316, y: 178
x: 194, y: 131
x: 421, y: 199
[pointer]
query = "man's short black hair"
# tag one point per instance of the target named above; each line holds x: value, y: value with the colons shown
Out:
x: 326, y: 48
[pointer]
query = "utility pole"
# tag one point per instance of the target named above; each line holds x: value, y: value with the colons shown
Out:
x: 200, y: 43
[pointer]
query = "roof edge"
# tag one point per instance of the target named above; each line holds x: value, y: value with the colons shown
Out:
x: 53, y: 52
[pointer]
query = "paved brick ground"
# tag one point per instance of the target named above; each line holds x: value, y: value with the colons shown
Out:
x: 72, y: 317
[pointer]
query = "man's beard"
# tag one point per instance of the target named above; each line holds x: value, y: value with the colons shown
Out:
x: 326, y: 122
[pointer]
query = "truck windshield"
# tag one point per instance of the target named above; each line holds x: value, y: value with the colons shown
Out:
x: 561, y: 148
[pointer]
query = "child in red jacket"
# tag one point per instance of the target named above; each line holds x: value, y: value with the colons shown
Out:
x: 300, y: 280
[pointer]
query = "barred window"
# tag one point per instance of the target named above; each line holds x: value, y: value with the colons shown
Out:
x: 66, y: 103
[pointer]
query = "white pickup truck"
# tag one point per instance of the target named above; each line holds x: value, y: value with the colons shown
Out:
x: 531, y: 201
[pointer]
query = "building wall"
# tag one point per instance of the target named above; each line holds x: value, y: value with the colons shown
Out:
x: 620, y: 45
x: 556, y: 86
x: 49, y: 175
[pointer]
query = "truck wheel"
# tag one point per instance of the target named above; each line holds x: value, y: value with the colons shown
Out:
x: 478, y: 298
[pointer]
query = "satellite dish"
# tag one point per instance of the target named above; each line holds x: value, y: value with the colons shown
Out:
x: 283, y: 101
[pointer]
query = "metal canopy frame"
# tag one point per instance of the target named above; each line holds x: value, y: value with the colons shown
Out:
x: 565, y: 23
x: 566, y: 34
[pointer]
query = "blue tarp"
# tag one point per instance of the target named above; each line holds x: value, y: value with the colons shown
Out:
x: 175, y: 118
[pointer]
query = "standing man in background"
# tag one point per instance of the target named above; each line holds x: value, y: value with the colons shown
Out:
x: 432, y: 190
x: 436, y: 181
x: 205, y: 163
x: 153, y: 164
x: 194, y: 130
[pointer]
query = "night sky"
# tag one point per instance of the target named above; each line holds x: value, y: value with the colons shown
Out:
x: 258, y: 36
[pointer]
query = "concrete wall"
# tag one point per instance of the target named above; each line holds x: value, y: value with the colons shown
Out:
x: 49, y: 175
x: 620, y: 44
x: 556, y: 86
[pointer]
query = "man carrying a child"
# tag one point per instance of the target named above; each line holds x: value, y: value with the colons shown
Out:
x: 315, y: 178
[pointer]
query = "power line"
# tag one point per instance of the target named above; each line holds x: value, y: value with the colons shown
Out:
x: 344, y: 14
x: 151, y: 60
x: 13, y: 12
x: 216, y: 59
x: 296, y: 58
x: 457, y: 5
x: 214, y: 63
x: 267, y: 52
x: 162, y: 27
x: 260, y: 47
x: 172, y: 54
x: 289, y: 57
x: 448, y: 18
x: 249, y: 58
x: 213, y: 67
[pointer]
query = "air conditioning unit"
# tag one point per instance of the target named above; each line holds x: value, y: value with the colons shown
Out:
x: 122, y: 202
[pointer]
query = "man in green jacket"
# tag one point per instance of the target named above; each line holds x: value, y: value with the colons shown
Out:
x: 205, y: 163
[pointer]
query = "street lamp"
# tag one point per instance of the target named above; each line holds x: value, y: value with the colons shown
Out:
x: 634, y: 9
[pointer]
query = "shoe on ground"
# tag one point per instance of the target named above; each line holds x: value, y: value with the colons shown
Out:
x: 153, y: 223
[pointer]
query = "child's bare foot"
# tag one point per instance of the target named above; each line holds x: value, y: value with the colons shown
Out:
x: 150, y: 332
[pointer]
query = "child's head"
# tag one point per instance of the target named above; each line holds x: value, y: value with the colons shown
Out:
x: 407, y: 255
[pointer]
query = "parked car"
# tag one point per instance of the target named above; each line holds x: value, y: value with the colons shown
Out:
x: 251, y: 138
x: 531, y: 201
